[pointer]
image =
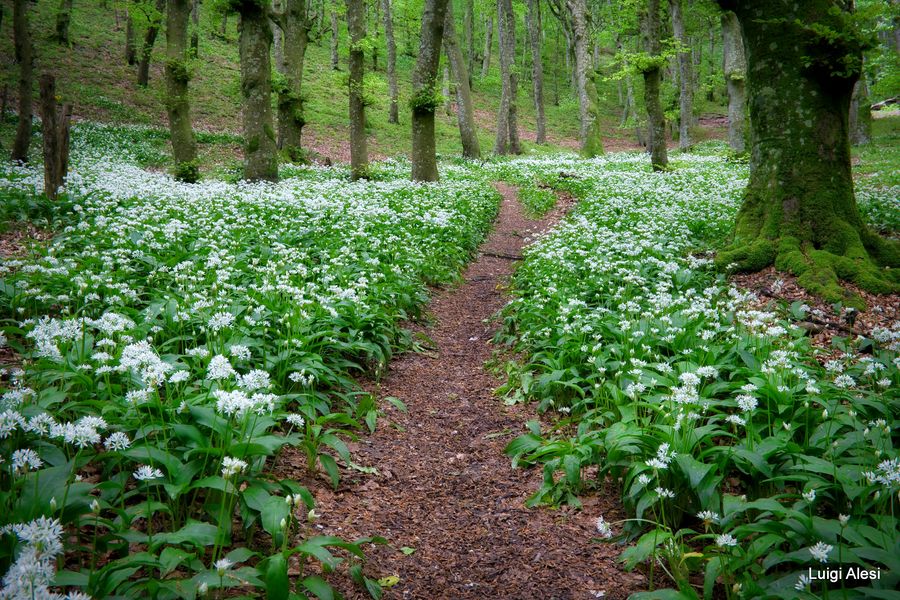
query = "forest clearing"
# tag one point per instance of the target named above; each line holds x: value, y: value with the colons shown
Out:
x: 362, y: 299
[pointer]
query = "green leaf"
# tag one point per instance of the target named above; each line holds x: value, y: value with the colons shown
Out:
x: 407, y: 550
x: 319, y: 587
x: 330, y: 466
x: 195, y: 533
x: 278, y: 585
x: 397, y: 403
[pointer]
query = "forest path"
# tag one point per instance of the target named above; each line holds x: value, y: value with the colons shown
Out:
x: 444, y: 486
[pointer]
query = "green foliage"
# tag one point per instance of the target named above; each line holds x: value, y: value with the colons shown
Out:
x: 426, y: 100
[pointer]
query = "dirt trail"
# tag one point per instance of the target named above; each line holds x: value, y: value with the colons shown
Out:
x: 444, y: 486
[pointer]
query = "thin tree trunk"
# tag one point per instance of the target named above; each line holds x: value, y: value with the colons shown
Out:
x: 294, y: 29
x: 685, y: 77
x: 488, y: 44
x: 394, y: 110
x: 656, y: 120
x: 63, y: 19
x: 860, y: 114
x: 335, y: 60
x: 130, y: 48
x: 424, y: 159
x: 55, y: 130
x: 143, y: 77
x: 255, y: 45
x: 223, y: 26
x: 195, y: 28
x: 735, y: 69
x: 537, y: 69
x: 356, y: 23
x: 589, y: 133
x: 507, y: 140
x: 24, y: 52
x: 445, y: 91
x: 469, y: 32
x: 465, y: 115
x: 178, y: 106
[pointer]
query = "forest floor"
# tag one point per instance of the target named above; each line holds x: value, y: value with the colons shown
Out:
x: 445, y: 491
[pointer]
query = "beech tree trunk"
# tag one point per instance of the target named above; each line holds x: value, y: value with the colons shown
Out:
x: 24, y: 52
x: 685, y: 77
x: 294, y: 26
x: 255, y: 44
x: 356, y: 23
x: 589, y: 132
x: 178, y: 106
x: 488, y: 44
x: 537, y: 69
x: 860, y: 114
x: 143, y: 77
x: 507, y: 140
x: 130, y: 48
x: 195, y: 28
x: 445, y: 91
x: 424, y: 102
x: 335, y: 59
x: 394, y: 110
x: 465, y: 114
x: 469, y: 32
x: 63, y: 19
x: 656, y: 120
x: 735, y: 68
x: 799, y: 210
x: 55, y: 129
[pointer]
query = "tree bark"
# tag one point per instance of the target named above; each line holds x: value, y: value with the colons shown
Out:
x: 178, y: 106
x: 445, y: 91
x: 195, y: 28
x: 589, y: 132
x: 24, y: 52
x: 335, y: 60
x: 394, y: 109
x: 424, y: 102
x: 860, y: 114
x: 255, y: 44
x: 469, y: 32
x: 656, y: 120
x: 356, y: 23
x: 55, y: 130
x: 799, y: 210
x: 465, y: 115
x: 294, y: 26
x: 735, y: 69
x: 488, y: 44
x: 143, y: 77
x: 537, y: 69
x: 63, y: 19
x: 507, y: 140
x: 130, y: 48
x: 685, y: 77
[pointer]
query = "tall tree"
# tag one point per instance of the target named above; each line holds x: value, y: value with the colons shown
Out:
x: 735, y: 68
x: 359, y: 154
x: 537, y: 68
x: 55, y: 133
x: 589, y: 131
x: 335, y: 59
x: 860, y: 114
x: 178, y: 106
x: 130, y: 48
x: 799, y: 210
x: 294, y: 24
x: 650, y: 66
x: 465, y: 114
x: 394, y: 109
x: 154, y: 18
x: 685, y: 77
x: 63, y: 20
x: 507, y: 140
x: 195, y: 28
x: 254, y: 45
x: 24, y: 53
x: 488, y: 44
x: 425, y: 98
x: 469, y: 33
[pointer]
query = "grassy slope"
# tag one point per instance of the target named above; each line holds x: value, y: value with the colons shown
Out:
x: 93, y: 74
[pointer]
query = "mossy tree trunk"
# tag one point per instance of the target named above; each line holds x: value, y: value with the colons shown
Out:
x: 359, y: 153
x: 154, y: 18
x: 465, y: 114
x: 735, y: 70
x: 24, y: 53
x: 63, y: 20
x: 255, y: 43
x: 178, y: 105
x: 589, y: 130
x: 799, y: 210
x: 294, y: 26
x: 424, y: 100
x: 656, y: 119
x: 535, y: 35
x: 394, y: 109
